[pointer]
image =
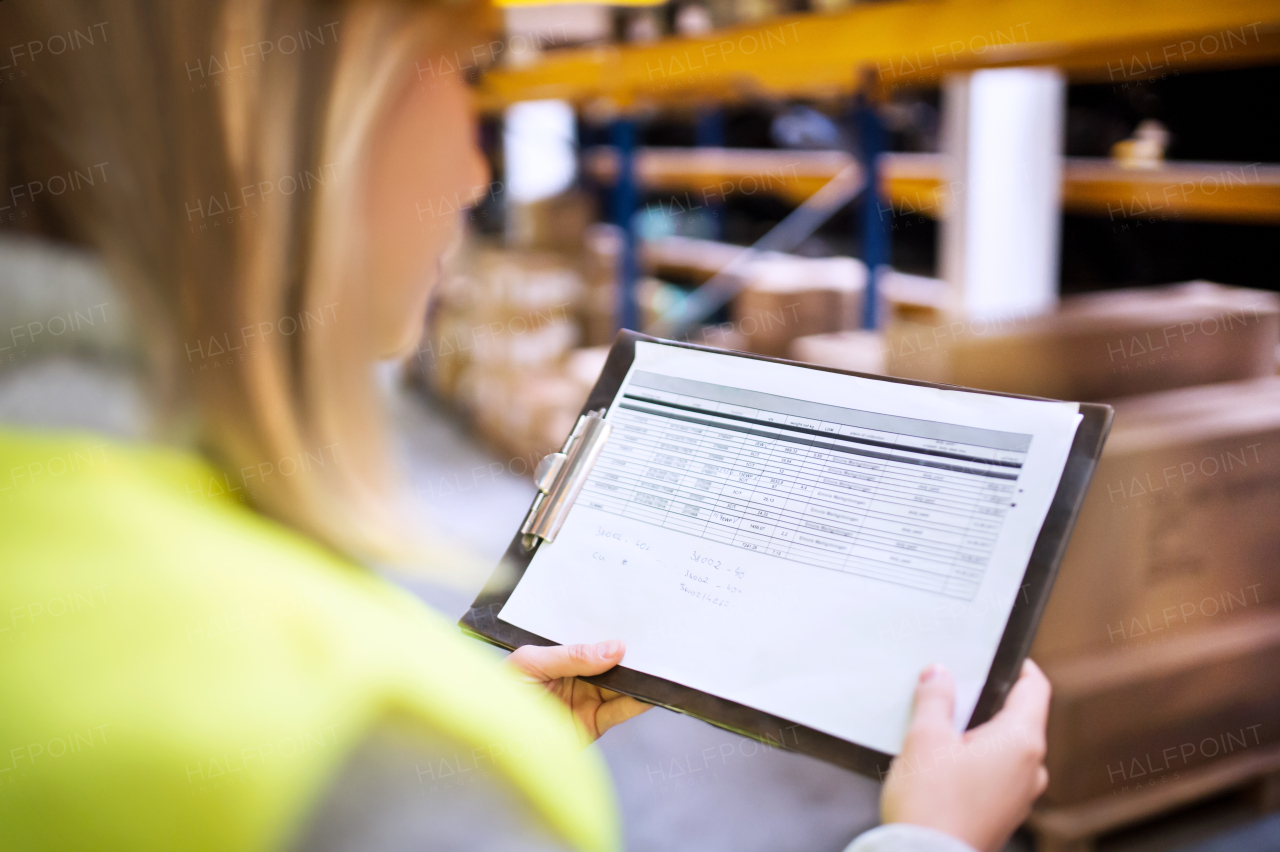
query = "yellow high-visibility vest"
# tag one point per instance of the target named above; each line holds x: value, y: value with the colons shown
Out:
x: 178, y: 672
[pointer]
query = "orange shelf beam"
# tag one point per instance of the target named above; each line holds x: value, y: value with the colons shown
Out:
x: 906, y: 43
x: 915, y: 183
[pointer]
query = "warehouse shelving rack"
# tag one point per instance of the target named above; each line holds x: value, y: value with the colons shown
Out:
x: 874, y: 48
x: 915, y: 183
x: 906, y: 43
x: 871, y: 49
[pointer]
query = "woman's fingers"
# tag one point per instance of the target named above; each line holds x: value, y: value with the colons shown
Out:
x: 557, y: 667
x: 615, y: 711
x: 1028, y: 701
x: 934, y: 711
x: 1022, y: 721
x: 978, y: 795
x: 545, y: 663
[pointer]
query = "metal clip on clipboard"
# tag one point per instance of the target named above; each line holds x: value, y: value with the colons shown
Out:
x: 560, y: 477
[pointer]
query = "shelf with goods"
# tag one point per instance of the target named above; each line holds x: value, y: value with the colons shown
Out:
x: 858, y: 56
x: 880, y: 46
x: 1189, y: 368
x: 915, y: 183
x: 904, y: 44
x: 708, y: 174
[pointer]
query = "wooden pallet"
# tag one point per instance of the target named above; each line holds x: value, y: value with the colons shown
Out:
x: 1076, y: 828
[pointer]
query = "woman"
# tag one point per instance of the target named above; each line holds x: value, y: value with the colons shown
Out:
x: 196, y: 659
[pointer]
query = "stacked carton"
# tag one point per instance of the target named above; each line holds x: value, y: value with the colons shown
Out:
x: 901, y: 295
x: 688, y: 257
x: 506, y: 325
x: 1162, y: 637
x: 1100, y: 345
x: 781, y: 297
x: 558, y: 223
x: 784, y: 298
x: 856, y: 351
x: 499, y: 334
x: 502, y: 308
x: 529, y: 412
x: 602, y: 251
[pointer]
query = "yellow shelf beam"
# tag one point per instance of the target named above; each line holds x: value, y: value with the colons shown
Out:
x: 907, y: 43
x: 1221, y: 192
x: 915, y: 183
x: 701, y: 176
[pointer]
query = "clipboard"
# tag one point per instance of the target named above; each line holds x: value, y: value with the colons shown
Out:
x: 560, y: 478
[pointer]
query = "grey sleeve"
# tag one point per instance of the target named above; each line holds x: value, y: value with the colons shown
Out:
x: 901, y: 837
x: 405, y: 788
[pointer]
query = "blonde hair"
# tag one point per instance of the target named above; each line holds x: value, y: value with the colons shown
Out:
x: 234, y: 137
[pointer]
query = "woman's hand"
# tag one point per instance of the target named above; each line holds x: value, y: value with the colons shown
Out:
x: 977, y: 786
x: 557, y: 667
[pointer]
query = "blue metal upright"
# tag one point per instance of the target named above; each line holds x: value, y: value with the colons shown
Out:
x: 708, y: 127
x: 622, y: 134
x: 708, y: 132
x: 876, y: 245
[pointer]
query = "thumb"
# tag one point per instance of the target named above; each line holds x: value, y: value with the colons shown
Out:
x: 544, y: 663
x: 935, y: 698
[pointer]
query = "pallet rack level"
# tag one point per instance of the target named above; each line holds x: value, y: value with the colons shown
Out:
x: 915, y: 184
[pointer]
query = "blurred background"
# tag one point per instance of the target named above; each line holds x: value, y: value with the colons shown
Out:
x: 1071, y: 200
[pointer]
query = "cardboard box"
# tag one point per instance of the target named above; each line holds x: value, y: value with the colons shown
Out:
x: 784, y: 298
x: 1180, y: 526
x: 500, y: 307
x: 1100, y: 345
x: 1162, y: 635
x: 912, y: 295
x: 688, y: 257
x: 584, y: 366
x: 723, y: 336
x: 558, y: 223
x: 859, y: 351
x: 1121, y: 724
x: 528, y: 410
x: 525, y: 413
x: 602, y: 246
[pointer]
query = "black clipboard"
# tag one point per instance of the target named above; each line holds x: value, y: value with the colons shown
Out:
x: 481, y: 619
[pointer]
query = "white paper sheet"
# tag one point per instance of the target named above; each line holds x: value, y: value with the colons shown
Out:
x: 799, y: 541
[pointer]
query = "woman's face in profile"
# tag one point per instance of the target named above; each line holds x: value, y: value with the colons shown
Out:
x: 424, y: 168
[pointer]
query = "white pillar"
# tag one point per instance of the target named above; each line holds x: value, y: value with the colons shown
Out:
x: 1002, y: 139
x: 539, y: 149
